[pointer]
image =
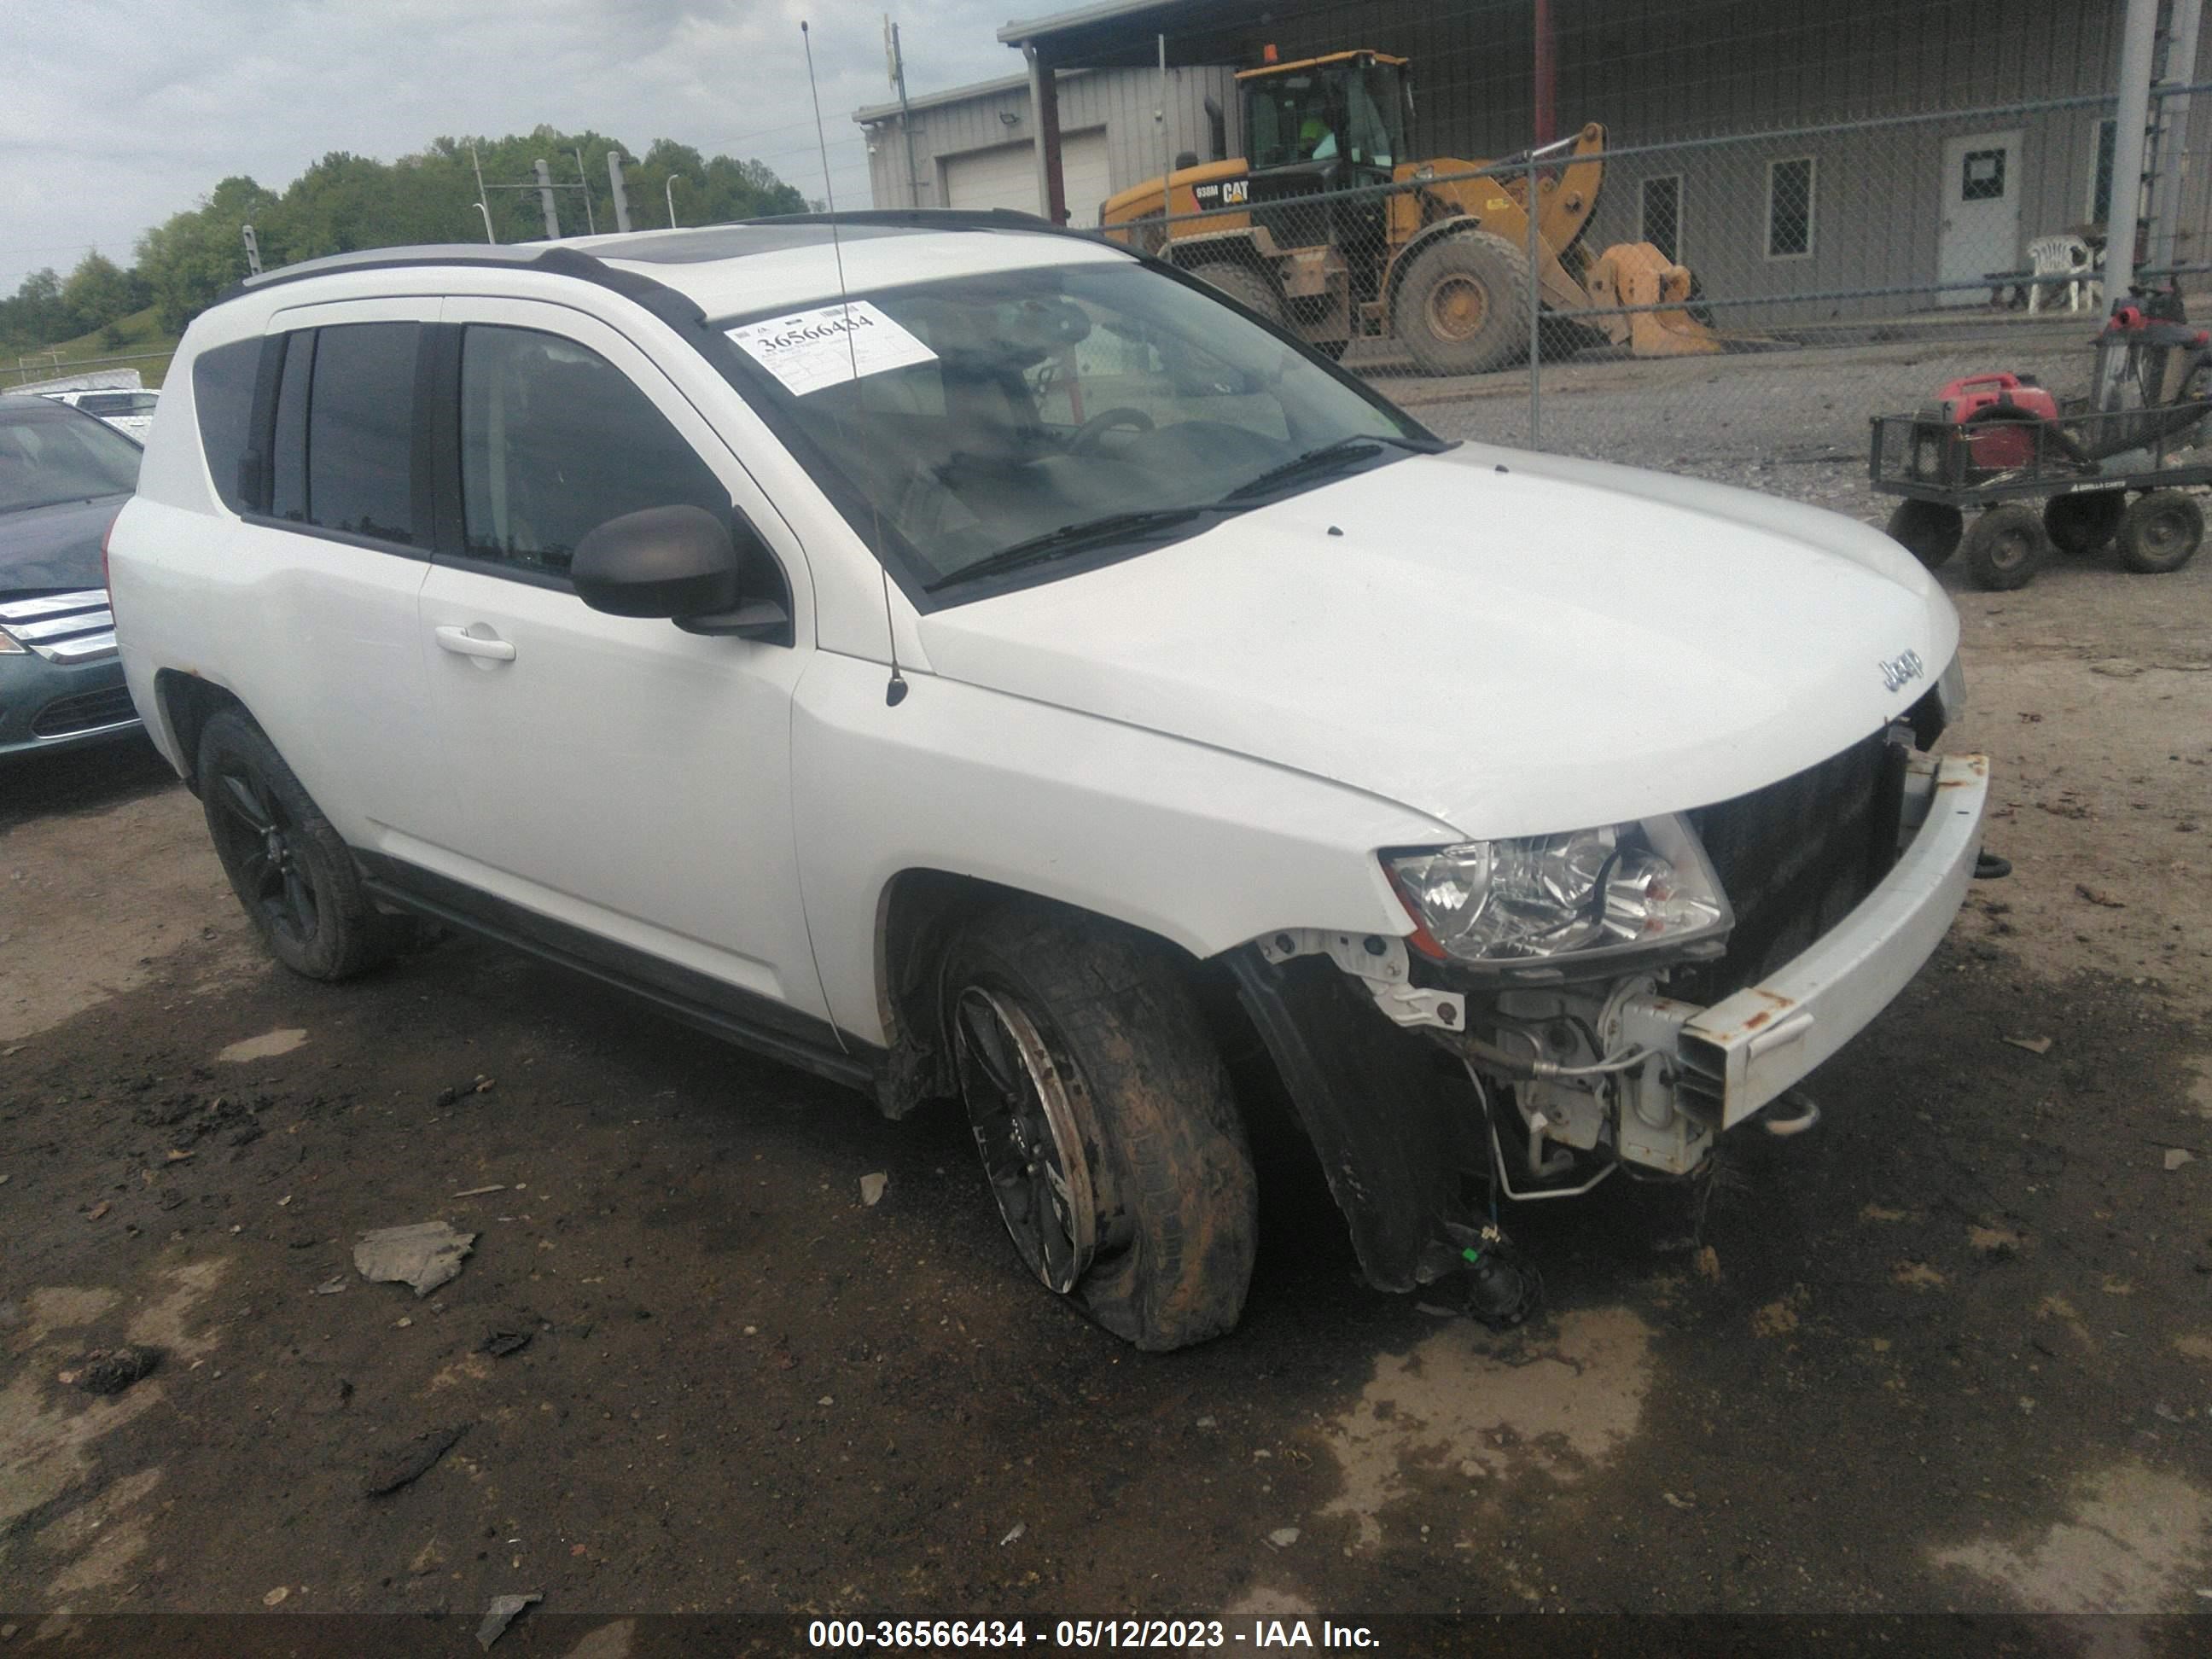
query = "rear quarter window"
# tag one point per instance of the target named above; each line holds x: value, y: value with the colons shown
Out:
x: 223, y: 393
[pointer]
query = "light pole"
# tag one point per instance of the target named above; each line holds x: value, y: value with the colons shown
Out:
x: 669, y: 193
x: 486, y: 211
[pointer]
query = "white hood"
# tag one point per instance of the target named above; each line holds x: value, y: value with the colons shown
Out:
x: 1511, y: 643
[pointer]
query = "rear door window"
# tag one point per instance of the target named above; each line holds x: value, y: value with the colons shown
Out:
x: 345, y: 431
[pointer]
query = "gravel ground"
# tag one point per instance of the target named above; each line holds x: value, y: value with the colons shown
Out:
x: 1953, y: 1351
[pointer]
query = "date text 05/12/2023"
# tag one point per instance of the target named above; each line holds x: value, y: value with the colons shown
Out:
x: 1169, y: 1634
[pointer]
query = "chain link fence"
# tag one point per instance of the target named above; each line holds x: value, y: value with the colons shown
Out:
x: 1779, y: 222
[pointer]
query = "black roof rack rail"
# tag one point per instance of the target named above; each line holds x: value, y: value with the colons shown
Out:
x: 561, y: 259
x: 553, y: 259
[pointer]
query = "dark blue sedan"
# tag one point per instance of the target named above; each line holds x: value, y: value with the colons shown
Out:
x: 64, y: 477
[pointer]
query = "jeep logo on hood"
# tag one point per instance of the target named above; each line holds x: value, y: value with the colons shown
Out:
x: 1896, y: 671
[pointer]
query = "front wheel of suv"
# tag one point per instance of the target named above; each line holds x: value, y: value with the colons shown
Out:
x: 287, y: 864
x: 1105, y: 1120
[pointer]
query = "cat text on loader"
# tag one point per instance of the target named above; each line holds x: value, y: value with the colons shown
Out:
x: 1325, y: 229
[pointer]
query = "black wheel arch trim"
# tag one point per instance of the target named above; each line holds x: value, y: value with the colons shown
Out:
x: 1397, y: 1138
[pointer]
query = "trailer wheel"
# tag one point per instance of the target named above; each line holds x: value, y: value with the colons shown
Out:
x: 1463, y: 306
x: 2005, y: 547
x: 1250, y: 288
x: 1104, y: 1116
x: 2160, y: 531
x: 2082, y: 525
x: 1926, y: 530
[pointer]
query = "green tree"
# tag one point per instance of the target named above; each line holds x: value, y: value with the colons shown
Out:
x: 345, y: 202
x: 35, y: 315
x: 97, y: 292
x: 188, y: 260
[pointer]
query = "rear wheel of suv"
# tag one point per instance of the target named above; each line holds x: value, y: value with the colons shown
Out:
x: 1105, y: 1120
x: 287, y: 864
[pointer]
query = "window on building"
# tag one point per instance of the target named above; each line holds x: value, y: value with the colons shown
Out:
x: 1982, y: 176
x: 349, y: 462
x: 1790, y: 208
x: 554, y: 442
x: 1662, y: 215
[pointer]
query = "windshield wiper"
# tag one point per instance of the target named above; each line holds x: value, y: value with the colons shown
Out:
x: 1075, y: 537
x: 1340, y: 452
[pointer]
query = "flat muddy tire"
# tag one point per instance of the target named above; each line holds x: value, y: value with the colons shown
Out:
x: 1105, y: 1120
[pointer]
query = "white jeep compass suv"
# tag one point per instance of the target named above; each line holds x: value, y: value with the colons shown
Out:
x: 962, y: 657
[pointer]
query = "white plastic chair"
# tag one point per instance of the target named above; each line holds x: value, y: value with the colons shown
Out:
x: 2068, y: 257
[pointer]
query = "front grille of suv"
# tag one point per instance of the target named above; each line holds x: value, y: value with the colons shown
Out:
x: 1794, y: 857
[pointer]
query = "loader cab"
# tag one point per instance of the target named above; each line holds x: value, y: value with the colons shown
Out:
x: 1319, y: 126
x: 1327, y: 123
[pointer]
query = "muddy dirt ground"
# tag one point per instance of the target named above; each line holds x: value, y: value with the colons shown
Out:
x: 1951, y: 1351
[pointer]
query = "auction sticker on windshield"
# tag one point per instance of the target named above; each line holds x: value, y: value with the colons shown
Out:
x: 808, y: 350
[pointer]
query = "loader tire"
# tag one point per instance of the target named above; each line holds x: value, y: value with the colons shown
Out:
x: 1253, y: 289
x: 2005, y: 547
x: 1104, y: 1112
x: 1463, y: 306
x: 2160, y: 531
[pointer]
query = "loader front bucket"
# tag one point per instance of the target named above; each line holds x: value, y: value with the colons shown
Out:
x: 1636, y: 274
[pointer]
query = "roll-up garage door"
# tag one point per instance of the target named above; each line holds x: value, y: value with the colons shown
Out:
x: 1005, y: 176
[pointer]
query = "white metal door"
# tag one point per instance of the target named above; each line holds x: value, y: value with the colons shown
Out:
x: 1005, y: 176
x: 620, y: 775
x: 1981, y: 230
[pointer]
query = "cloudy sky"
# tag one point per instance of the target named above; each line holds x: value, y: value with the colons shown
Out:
x: 119, y: 112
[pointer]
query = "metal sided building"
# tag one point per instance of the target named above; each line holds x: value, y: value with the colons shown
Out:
x: 976, y: 146
x: 1809, y: 147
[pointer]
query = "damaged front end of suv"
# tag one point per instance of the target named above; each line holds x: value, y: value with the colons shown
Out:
x: 1569, y: 1005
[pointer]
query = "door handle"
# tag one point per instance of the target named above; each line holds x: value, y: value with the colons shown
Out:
x: 462, y: 643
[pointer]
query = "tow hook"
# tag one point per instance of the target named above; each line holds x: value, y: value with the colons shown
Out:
x: 1503, y: 1288
x: 1805, y: 1113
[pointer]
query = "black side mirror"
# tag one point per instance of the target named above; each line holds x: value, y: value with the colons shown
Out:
x: 684, y: 563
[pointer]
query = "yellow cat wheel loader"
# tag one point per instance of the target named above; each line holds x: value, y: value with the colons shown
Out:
x: 1325, y: 227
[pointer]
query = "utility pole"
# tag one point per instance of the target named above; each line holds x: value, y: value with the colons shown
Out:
x: 616, y: 189
x: 252, y: 250
x: 2138, y: 35
x: 669, y: 193
x: 584, y: 184
x: 546, y: 200
x: 482, y: 206
x: 2170, y: 128
x: 895, y: 60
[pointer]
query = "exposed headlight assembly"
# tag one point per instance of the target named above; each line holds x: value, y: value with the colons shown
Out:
x: 1573, y: 901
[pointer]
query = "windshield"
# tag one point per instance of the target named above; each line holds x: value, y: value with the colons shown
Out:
x: 997, y: 410
x: 47, y: 456
x: 1352, y: 109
